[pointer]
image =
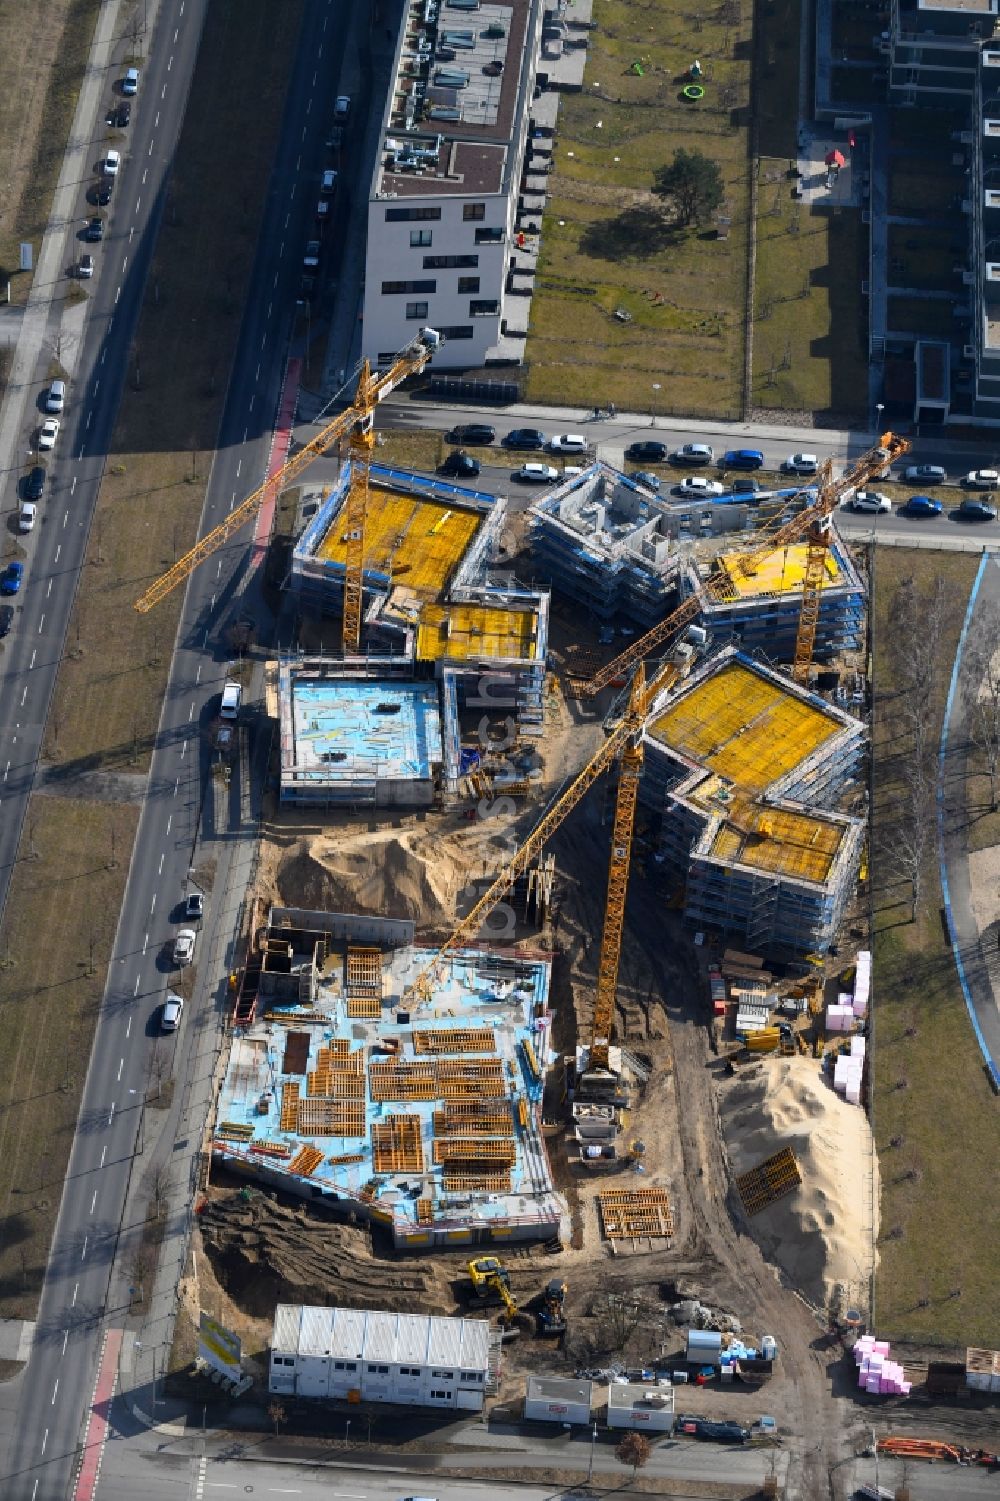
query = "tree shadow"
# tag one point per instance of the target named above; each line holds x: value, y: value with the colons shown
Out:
x: 635, y: 234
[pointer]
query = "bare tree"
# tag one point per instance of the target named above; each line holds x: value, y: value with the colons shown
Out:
x: 276, y: 1412
x: 982, y: 683
x: 909, y: 840
x: 633, y: 1449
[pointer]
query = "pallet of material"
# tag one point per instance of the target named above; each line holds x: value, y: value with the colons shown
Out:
x: 325, y: 1117
x: 364, y: 1007
x: 289, y: 1018
x: 473, y: 1118
x: 234, y: 1131
x: 364, y: 971
x: 463, y: 1180
x: 336, y: 1084
x: 459, y: 1080
x: 769, y: 1181
x: 396, y: 1145
x: 425, y: 1211
x: 627, y: 1213
x: 289, y: 1120
x: 305, y: 1162
x: 531, y: 1058
x: 344, y: 1159
x: 336, y: 1054
x: 402, y: 1081
x: 271, y: 1148
x: 455, y: 1040
x: 475, y: 1152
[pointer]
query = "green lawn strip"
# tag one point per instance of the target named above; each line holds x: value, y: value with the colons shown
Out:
x: 777, y: 24
x: 59, y: 924
x: 936, y: 1281
x: 39, y: 88
x: 608, y: 247
x: 161, y: 452
x: 809, y: 331
x: 919, y: 315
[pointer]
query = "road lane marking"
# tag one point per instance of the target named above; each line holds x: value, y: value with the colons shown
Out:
x: 104, y: 1153
x: 135, y: 992
x: 177, y: 783
x: 93, y: 1202
x: 184, y: 746
x: 160, y: 871
x: 83, y: 1253
x: 111, y: 1112
x: 257, y: 376
x: 45, y: 1439
x: 104, y: 354
x: 315, y: 76
x: 117, y: 295
x: 42, y: 621
x: 219, y: 569
x: 169, y: 822
x: 145, y: 943
x: 309, y: 105
x: 55, y: 1393
x: 65, y: 518
x: 176, y: 30
x: 152, y: 905
x: 287, y: 217
x: 145, y: 173
x: 239, y: 466
x: 252, y: 399
x: 191, y: 714
x: 73, y: 485
x: 269, y: 307
x: 131, y: 233
x: 65, y: 1339
x: 150, y: 152
x: 90, y: 418
x: 298, y: 159
x: 34, y: 654
x: 58, y: 551
x: 34, y: 1489
x: 197, y: 676
x: 49, y: 589
x: 281, y: 250
x: 75, y: 1291
x: 170, y: 63
x: 121, y: 1065
x: 24, y: 695
x: 128, y: 1028
x: 124, y: 263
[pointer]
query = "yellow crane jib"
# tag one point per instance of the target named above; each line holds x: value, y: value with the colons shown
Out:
x: 357, y: 423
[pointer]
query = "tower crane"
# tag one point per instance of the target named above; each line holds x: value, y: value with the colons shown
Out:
x: 357, y: 422
x: 625, y: 740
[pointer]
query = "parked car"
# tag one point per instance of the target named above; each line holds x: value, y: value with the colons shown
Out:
x: 119, y: 115
x: 341, y: 107
x: 10, y: 579
x: 801, y: 463
x: 328, y: 183
x: 924, y: 474
x: 983, y: 479
x: 643, y: 477
x: 95, y: 229
x: 692, y: 453
x: 523, y: 437
x: 568, y: 443
x: 194, y: 906
x: 461, y: 464
x: 130, y: 83
x: 697, y: 486
x: 743, y: 458
x: 747, y: 487
x: 311, y: 258
x: 976, y: 510
x: 102, y: 193
x: 472, y: 432
x: 55, y: 400
x: 184, y: 947
x: 48, y: 433
x: 536, y: 474
x: 26, y: 516
x: 6, y: 618
x: 921, y: 505
x: 173, y: 1010
x: 111, y: 164
x: 871, y: 500
x: 648, y: 452
x: 85, y: 267
x: 34, y: 483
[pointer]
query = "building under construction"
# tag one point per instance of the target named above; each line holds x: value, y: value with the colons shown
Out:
x: 418, y: 1114
x: 745, y: 771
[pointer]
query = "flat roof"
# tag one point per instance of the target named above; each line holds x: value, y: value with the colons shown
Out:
x: 460, y: 632
x: 745, y: 726
x: 346, y: 728
x: 408, y: 539
x: 560, y: 1389
x: 803, y: 845
x: 781, y: 572
x: 372, y: 1334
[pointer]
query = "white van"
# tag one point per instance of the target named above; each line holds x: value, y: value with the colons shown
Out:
x: 229, y: 708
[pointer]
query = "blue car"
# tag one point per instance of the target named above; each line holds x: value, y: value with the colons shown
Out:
x: 743, y: 458
x: 10, y: 579
x: 921, y: 505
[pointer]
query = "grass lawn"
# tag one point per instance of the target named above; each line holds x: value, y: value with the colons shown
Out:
x: 162, y: 446
x: 42, y: 59
x: 917, y: 315
x: 936, y: 1281
x: 915, y: 191
x: 606, y: 244
x: 777, y: 24
x: 923, y: 258
x: 809, y: 329
x: 58, y: 928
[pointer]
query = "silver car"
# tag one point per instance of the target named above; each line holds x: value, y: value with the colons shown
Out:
x: 184, y: 947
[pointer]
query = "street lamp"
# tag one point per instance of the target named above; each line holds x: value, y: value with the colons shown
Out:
x: 879, y: 409
x: 347, y: 1434
x: 652, y: 409
x: 593, y: 1442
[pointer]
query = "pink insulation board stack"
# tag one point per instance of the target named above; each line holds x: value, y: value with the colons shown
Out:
x: 862, y: 983
x: 839, y: 1018
x: 878, y: 1373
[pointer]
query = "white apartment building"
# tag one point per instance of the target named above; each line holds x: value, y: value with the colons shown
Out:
x: 415, y: 1359
x: 442, y: 213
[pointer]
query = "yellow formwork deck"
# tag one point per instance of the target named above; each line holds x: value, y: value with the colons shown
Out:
x: 781, y: 572
x: 458, y: 632
x: 743, y: 727
x: 415, y: 542
x: 788, y: 844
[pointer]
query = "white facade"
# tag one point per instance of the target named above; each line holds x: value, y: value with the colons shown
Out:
x: 649, y: 1409
x: 350, y: 1354
x: 555, y: 1399
x: 442, y: 212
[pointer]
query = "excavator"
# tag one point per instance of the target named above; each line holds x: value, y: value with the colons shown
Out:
x: 490, y: 1277
x: 551, y: 1316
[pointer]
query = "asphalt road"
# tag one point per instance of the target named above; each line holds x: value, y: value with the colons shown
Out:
x: 82, y: 1283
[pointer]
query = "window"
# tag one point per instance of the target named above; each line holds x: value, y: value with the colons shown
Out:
x: 449, y: 262
x: 421, y: 237
x: 284, y: 1360
x: 416, y: 309
x: 400, y: 215
x: 472, y: 1377
x: 441, y: 1396
x: 338, y: 1365
x: 428, y: 284
x: 457, y: 331
x: 482, y: 307
x: 378, y: 1370
x: 489, y: 236
x: 468, y: 283
x: 442, y: 1375
x: 473, y: 211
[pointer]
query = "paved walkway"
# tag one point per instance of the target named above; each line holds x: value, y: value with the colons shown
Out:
x: 975, y: 951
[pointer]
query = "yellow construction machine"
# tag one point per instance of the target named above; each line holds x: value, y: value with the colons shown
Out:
x: 491, y: 1278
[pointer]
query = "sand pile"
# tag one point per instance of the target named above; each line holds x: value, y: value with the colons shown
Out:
x: 820, y: 1235
x: 380, y: 873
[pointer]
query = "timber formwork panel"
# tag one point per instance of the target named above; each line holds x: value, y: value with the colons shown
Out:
x: 477, y: 1153
x: 471, y: 1080
x: 289, y: 1120
x: 337, y: 1055
x: 327, y: 1117
x: 455, y: 1040
x: 481, y: 1119
x: 345, y: 1159
x: 364, y: 1007
x: 234, y: 1131
x: 396, y: 1145
x: 305, y: 1162
x: 769, y: 1181
x: 336, y: 1084
x: 425, y: 1211
x: 271, y: 1148
x: 457, y: 1180
x: 531, y: 1058
x: 364, y: 971
x: 402, y: 1081
x: 629, y: 1213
